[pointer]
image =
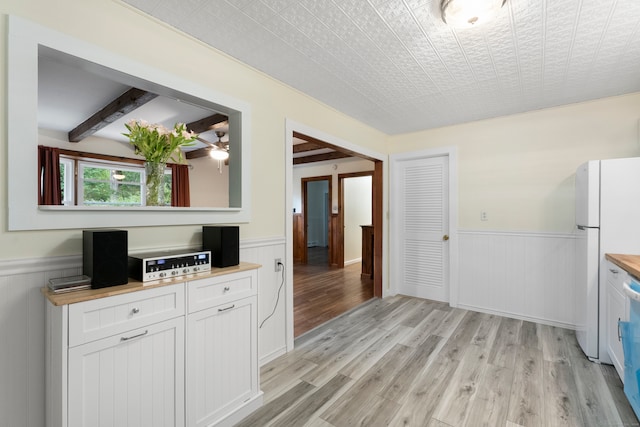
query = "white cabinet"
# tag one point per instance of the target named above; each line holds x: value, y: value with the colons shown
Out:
x: 133, y: 379
x: 118, y: 360
x: 617, y: 310
x: 184, y: 353
x: 222, y: 355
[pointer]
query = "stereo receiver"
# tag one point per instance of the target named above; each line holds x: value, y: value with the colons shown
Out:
x: 168, y: 264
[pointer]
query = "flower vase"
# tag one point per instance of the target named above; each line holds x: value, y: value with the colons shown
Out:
x: 155, y: 183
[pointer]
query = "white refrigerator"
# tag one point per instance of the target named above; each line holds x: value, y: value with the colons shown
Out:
x: 607, y: 221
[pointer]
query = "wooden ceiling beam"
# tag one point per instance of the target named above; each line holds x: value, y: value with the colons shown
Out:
x: 320, y: 157
x: 306, y: 146
x: 323, y: 144
x: 207, y: 123
x: 195, y: 154
x: 124, y: 104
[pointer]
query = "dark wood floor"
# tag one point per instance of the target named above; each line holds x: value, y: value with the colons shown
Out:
x: 321, y: 293
x: 405, y: 361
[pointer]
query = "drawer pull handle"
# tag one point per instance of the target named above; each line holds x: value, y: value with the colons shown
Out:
x: 613, y: 271
x: 135, y: 310
x: 225, y: 309
x: 135, y: 336
x: 227, y: 289
x: 619, y: 336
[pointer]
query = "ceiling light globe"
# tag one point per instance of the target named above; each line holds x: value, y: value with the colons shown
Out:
x: 469, y: 13
x: 219, y: 154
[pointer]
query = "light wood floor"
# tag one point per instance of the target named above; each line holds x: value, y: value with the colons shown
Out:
x: 410, y: 362
x: 321, y: 293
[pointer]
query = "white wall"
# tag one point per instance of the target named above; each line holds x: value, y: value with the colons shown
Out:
x: 520, y: 169
x: 357, y: 212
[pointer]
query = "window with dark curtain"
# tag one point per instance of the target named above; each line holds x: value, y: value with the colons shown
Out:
x: 49, y: 190
x: 180, y: 185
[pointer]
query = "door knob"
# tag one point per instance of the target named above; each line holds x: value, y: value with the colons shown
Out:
x: 445, y: 237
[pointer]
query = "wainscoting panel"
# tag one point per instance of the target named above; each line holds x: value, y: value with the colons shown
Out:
x: 22, y: 324
x: 272, y: 339
x: 523, y: 275
x: 22, y: 340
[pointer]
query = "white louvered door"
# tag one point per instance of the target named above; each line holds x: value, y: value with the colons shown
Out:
x: 423, y: 226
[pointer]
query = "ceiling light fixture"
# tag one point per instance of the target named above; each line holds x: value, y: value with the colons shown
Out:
x: 118, y: 175
x: 220, y: 150
x: 469, y: 13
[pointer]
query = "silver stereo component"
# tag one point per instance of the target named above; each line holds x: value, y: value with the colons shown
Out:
x: 168, y: 264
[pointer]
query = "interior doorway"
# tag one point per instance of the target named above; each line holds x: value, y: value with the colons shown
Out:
x: 324, y: 154
x: 316, y: 210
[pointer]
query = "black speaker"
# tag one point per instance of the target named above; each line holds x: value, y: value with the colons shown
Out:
x: 224, y: 244
x: 105, y: 257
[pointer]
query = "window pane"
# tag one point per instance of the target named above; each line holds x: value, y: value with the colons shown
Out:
x: 106, y: 186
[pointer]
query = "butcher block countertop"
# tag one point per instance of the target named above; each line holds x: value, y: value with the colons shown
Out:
x: 73, y: 297
x: 629, y: 263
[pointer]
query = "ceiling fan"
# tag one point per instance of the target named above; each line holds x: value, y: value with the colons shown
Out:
x: 218, y: 150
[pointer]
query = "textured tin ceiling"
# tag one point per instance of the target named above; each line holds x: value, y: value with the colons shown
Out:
x: 395, y: 65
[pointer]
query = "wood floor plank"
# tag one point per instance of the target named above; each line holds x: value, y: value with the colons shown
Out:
x: 421, y: 402
x: 331, y: 345
x: 285, y: 379
x: 597, y: 410
x: 425, y: 328
x: 362, y: 405
x: 364, y: 410
x: 461, y: 337
x: 491, y: 403
x: 457, y: 398
x: 278, y: 406
x: 505, y: 348
x: 304, y: 409
x: 328, y: 367
x: 615, y: 386
x: 487, y: 331
x: 529, y: 335
x: 554, y: 347
x: 526, y: 406
x: 423, y: 309
x: 357, y: 367
x: 437, y: 423
x: 449, y: 323
x: 398, y: 388
x: 400, y: 314
x: 561, y: 400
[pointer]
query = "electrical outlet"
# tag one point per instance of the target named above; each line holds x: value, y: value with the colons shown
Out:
x: 483, y: 216
x: 277, y: 264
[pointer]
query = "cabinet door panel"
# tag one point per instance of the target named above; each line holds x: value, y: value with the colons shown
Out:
x: 615, y: 311
x: 221, y: 360
x: 133, y: 379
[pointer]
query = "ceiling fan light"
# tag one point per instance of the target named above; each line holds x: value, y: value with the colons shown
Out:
x: 218, y: 154
x: 469, y: 13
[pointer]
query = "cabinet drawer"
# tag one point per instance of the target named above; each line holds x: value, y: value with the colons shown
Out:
x: 100, y: 318
x: 616, y: 276
x: 212, y: 291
